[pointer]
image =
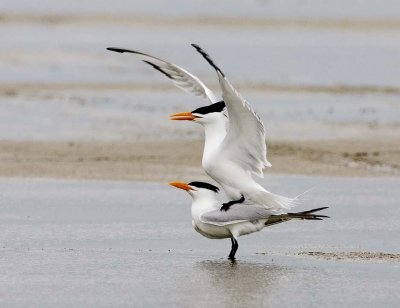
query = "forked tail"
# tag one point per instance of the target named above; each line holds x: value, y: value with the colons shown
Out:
x: 306, y: 215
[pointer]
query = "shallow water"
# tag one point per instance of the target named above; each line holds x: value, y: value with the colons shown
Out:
x: 118, y: 243
x: 141, y: 115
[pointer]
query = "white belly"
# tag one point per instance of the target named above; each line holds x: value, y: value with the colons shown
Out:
x: 247, y: 227
x: 211, y: 231
x: 236, y: 230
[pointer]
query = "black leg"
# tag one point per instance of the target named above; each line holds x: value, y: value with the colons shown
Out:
x: 227, y: 205
x: 234, y: 248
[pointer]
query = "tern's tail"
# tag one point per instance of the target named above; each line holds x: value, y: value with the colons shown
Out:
x: 306, y: 215
x: 277, y: 203
x: 272, y: 201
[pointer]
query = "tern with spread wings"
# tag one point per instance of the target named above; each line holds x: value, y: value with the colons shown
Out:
x: 234, y: 148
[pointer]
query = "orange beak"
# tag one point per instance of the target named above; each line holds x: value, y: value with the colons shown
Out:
x: 183, y: 116
x: 181, y: 185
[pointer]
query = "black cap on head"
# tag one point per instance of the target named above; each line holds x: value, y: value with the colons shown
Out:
x: 204, y: 185
x: 216, y: 107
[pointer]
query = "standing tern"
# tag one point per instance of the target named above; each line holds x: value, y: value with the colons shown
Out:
x: 211, y: 222
x: 234, y: 147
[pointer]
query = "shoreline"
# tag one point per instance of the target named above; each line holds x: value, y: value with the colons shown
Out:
x: 166, y: 160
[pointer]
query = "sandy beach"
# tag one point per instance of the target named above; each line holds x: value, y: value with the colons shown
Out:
x: 180, y: 160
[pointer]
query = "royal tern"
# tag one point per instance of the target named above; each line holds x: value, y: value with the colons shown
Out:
x: 232, y: 157
x: 211, y: 222
x: 234, y: 147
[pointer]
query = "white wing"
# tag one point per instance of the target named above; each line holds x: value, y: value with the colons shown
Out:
x: 179, y: 76
x: 237, y: 213
x: 244, y: 143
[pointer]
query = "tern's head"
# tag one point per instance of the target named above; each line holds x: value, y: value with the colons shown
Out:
x: 204, y: 115
x: 198, y: 190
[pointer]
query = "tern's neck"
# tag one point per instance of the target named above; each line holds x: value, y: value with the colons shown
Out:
x: 202, y: 205
x: 214, y: 134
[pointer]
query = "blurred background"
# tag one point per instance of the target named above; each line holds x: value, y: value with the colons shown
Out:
x: 312, y: 69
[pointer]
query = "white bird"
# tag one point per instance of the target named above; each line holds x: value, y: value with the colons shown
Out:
x: 234, y: 147
x: 211, y: 222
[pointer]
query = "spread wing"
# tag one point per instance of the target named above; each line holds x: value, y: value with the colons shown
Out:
x: 236, y: 214
x: 179, y: 76
x: 244, y: 143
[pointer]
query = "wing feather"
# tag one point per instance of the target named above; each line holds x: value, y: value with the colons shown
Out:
x: 236, y: 214
x: 245, y: 140
x: 179, y: 76
x: 244, y: 143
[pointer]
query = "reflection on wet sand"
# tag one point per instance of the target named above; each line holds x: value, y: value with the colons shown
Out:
x: 242, y: 283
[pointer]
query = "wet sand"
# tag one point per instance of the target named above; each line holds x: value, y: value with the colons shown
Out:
x: 361, y: 24
x: 166, y: 160
x: 354, y: 255
x: 13, y: 89
x: 108, y: 243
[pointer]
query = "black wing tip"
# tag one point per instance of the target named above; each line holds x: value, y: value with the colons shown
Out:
x: 122, y: 50
x: 208, y: 58
x: 158, y: 69
x: 314, y: 217
x: 315, y: 210
x: 116, y: 49
x: 322, y: 216
x: 309, y: 215
x: 196, y: 46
